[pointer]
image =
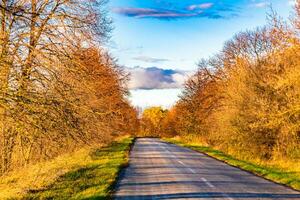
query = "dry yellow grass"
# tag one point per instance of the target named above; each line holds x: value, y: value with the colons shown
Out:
x: 17, y: 183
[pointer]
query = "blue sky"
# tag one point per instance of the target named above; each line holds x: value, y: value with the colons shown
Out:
x: 175, y: 34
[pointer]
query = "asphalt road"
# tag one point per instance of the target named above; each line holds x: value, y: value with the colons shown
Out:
x: 159, y: 170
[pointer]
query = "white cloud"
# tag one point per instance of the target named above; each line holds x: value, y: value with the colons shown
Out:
x: 200, y: 6
x: 260, y: 4
x: 156, y: 97
x: 292, y: 2
x: 150, y: 59
x: 156, y: 78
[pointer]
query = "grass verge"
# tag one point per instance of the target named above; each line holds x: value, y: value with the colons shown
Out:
x: 85, y: 174
x: 285, y: 176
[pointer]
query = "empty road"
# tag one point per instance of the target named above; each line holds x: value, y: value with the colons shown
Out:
x: 159, y: 170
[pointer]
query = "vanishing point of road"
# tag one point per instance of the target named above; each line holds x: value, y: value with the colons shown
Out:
x: 159, y: 170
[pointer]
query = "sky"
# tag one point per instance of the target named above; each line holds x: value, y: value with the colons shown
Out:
x: 160, y: 41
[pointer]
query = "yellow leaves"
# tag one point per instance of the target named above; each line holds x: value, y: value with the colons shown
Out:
x: 154, y: 114
x: 152, y: 121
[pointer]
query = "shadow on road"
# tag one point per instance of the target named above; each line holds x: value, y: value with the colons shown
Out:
x: 210, y: 195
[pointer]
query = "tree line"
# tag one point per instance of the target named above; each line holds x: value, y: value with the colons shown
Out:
x: 59, y: 89
x: 245, y: 100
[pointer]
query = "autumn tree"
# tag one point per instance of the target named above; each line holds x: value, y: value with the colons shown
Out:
x: 245, y: 100
x: 55, y: 97
x: 101, y: 88
x: 151, y: 121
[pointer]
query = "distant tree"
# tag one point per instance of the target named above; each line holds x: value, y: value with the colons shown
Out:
x: 152, y: 121
x: 169, y: 124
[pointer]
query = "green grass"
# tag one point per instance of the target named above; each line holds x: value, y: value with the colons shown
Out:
x: 288, y: 177
x: 95, y: 180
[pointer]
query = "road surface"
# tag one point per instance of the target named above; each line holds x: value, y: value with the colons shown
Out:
x: 159, y: 170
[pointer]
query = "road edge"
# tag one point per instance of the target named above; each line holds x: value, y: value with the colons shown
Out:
x: 122, y: 168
